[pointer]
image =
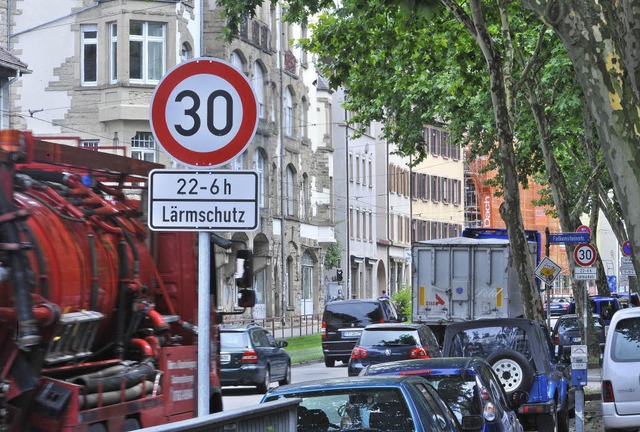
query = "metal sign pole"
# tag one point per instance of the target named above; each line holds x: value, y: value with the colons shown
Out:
x: 204, y: 326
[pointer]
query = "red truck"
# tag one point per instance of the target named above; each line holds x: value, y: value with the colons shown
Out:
x: 98, y: 314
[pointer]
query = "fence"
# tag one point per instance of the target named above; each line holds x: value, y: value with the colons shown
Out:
x: 281, y: 328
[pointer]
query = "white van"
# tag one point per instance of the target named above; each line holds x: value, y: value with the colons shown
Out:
x: 621, y: 371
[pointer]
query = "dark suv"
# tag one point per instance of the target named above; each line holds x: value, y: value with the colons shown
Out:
x: 249, y: 355
x: 521, y: 353
x: 343, y: 321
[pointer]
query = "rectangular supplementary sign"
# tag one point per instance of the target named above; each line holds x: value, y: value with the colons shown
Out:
x: 569, y: 238
x: 189, y: 200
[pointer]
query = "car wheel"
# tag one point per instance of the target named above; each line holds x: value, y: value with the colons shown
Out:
x: 513, y: 369
x: 329, y: 362
x: 263, y: 387
x: 548, y: 422
x: 287, y: 376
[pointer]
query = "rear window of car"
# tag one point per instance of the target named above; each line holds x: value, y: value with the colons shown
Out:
x: 568, y: 324
x: 625, y: 343
x: 379, y: 337
x: 359, y: 314
x: 232, y: 340
x: 484, y: 341
x: 459, y: 393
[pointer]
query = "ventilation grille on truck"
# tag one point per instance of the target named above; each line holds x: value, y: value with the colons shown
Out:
x: 74, y: 336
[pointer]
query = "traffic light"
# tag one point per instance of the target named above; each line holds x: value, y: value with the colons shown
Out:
x: 244, y: 268
x: 339, y: 274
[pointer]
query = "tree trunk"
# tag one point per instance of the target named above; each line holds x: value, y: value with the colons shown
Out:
x: 602, y: 40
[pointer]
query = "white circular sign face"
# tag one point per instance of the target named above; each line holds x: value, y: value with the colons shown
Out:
x: 584, y: 255
x: 204, y: 112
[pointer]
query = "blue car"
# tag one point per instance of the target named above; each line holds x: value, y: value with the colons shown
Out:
x: 468, y: 386
x: 521, y: 354
x: 384, y: 403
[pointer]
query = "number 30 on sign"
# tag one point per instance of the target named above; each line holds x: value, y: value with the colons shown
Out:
x: 584, y: 254
x: 204, y: 112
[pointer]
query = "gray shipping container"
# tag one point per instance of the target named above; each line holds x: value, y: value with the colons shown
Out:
x: 461, y: 279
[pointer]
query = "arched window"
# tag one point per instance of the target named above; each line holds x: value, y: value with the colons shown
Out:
x: 258, y: 88
x: 238, y: 163
x: 303, y: 119
x: 258, y: 165
x: 291, y: 178
x: 236, y: 60
x: 307, y: 282
x: 186, y: 52
x: 288, y: 113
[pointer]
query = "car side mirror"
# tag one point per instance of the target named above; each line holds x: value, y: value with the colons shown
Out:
x: 519, y: 398
x: 283, y: 343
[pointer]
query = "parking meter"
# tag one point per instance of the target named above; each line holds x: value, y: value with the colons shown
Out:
x: 579, y: 362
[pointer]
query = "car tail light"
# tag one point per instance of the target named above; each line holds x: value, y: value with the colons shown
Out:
x: 556, y: 338
x: 489, y: 412
x: 250, y: 356
x: 323, y: 330
x: 607, y: 392
x: 359, y: 353
x: 418, y: 353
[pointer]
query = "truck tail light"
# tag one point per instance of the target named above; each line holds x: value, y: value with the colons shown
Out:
x: 418, y: 353
x: 250, y: 356
x: 323, y: 330
x: 359, y: 353
x: 607, y: 392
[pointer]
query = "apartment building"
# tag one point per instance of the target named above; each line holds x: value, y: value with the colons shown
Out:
x: 94, y: 66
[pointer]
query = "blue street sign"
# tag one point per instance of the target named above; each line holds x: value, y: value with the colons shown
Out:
x: 577, y: 237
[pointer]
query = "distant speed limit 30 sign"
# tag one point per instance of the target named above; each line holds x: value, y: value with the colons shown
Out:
x: 204, y: 112
x: 584, y: 254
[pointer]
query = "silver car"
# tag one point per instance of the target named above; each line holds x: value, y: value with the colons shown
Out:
x: 621, y: 371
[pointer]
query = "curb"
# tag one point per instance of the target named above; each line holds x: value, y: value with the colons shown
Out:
x: 592, y: 396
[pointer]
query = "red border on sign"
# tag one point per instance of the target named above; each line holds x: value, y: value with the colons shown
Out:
x: 160, y: 100
x: 575, y: 255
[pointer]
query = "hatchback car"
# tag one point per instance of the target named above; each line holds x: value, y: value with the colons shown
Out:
x: 249, y: 355
x: 381, y: 343
x: 557, y: 307
x: 383, y: 403
x: 468, y: 386
x: 621, y: 372
x: 567, y: 332
x: 343, y: 321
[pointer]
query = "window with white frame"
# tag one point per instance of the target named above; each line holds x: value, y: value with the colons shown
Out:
x: 303, y: 118
x: 90, y: 144
x: 143, y: 146
x: 304, y: 197
x: 113, y: 53
x: 258, y: 88
x: 186, y: 52
x: 258, y: 166
x: 236, y: 60
x: 237, y: 164
x: 288, y: 113
x: 146, y: 52
x: 89, y: 55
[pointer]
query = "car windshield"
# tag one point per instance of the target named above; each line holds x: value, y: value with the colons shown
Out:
x: 625, y: 343
x: 459, y: 393
x: 381, y: 409
x: 484, y: 341
x: 233, y: 340
x: 389, y: 338
x: 350, y: 313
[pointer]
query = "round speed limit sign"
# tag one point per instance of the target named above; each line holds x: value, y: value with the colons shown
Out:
x: 584, y: 254
x: 204, y: 112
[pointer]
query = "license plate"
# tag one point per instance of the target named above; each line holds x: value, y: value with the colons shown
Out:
x: 576, y: 339
x: 351, y: 333
x: 225, y: 358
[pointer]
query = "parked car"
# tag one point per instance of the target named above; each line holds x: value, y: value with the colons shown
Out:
x: 249, y: 355
x: 567, y: 332
x: 557, y: 307
x: 379, y: 343
x: 468, y: 385
x: 343, y: 321
x: 621, y: 372
x: 384, y: 403
x: 627, y: 299
x: 521, y: 353
x: 604, y: 306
